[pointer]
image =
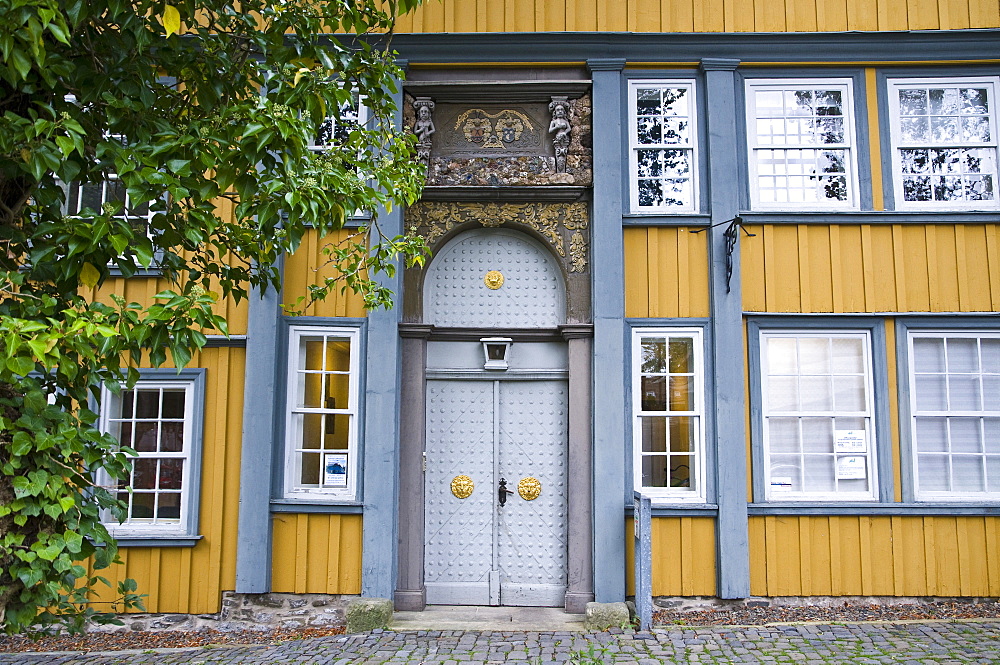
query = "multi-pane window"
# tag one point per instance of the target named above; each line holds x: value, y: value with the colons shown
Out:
x: 107, y: 195
x: 668, y: 403
x: 801, y: 144
x: 817, y: 407
x: 156, y: 419
x: 334, y: 130
x: 321, y: 427
x: 662, y: 138
x: 944, y: 138
x: 955, y: 410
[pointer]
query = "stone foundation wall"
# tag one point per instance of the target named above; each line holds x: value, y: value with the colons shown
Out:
x: 248, y: 611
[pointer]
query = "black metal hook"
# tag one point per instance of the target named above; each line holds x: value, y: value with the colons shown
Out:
x: 732, y: 236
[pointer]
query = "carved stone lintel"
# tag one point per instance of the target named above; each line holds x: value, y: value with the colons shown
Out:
x: 561, y: 225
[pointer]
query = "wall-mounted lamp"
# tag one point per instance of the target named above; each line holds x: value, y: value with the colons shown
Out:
x: 496, y: 350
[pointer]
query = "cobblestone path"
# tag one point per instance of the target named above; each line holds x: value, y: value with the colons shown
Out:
x: 807, y: 644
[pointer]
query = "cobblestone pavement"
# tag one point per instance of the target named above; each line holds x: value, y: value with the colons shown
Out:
x: 805, y: 644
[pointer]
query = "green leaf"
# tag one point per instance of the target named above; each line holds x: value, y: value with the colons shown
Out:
x: 21, y: 365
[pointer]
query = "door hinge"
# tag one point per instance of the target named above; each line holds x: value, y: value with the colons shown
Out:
x: 423, y: 463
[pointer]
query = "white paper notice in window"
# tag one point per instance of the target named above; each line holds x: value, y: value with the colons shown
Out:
x: 850, y: 441
x: 335, y: 470
x: 851, y: 468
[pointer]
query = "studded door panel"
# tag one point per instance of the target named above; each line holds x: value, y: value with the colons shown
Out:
x: 531, y: 294
x: 458, y: 553
x: 532, y: 534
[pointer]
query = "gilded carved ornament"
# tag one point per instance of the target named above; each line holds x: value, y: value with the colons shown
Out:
x: 553, y: 221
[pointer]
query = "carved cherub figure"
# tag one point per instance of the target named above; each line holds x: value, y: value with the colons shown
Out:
x: 424, y: 125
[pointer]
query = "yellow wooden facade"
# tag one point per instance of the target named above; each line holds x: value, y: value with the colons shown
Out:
x: 816, y: 268
x: 699, y: 15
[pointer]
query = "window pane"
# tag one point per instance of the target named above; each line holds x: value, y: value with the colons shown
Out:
x: 848, y: 356
x: 991, y: 354
x: 932, y: 434
x: 655, y: 471
x: 681, y: 393
x: 928, y: 355
x: 991, y: 434
x: 817, y: 435
x: 147, y: 403
x: 784, y: 435
x: 173, y: 403
x: 849, y: 393
x: 930, y: 393
x: 782, y: 356
x: 310, y: 469
x: 145, y: 437
x: 993, y: 473
x: 968, y: 473
x: 654, y: 434
x: 814, y: 355
x: 816, y: 393
x: 171, y: 437
x: 785, y: 473
x: 933, y: 473
x: 963, y: 355
x: 144, y: 474
x: 963, y: 393
x: 682, y: 355
x: 654, y: 355
x: 819, y: 473
x: 654, y: 393
x: 312, y: 430
x: 169, y: 506
x: 782, y: 393
x: 965, y: 435
x: 171, y: 473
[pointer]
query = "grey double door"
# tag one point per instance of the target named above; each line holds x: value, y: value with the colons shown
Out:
x: 479, y: 550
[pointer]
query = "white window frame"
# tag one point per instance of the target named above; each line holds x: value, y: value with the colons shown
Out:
x: 362, y: 120
x: 696, y: 494
x: 850, y: 144
x: 293, y: 488
x: 691, y: 113
x: 980, y: 414
x: 992, y: 84
x: 871, y: 454
x: 185, y: 525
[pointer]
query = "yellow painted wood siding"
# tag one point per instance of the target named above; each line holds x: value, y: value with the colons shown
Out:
x: 191, y: 580
x: 882, y: 556
x: 872, y: 268
x: 698, y: 15
x: 142, y: 290
x: 308, y: 266
x: 683, y: 556
x: 316, y: 553
x: 666, y: 272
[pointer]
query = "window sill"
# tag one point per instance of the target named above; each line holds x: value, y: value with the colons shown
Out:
x: 666, y: 508
x: 134, y: 540
x: 330, y: 507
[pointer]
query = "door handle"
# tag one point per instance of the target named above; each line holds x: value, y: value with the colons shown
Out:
x: 502, y: 492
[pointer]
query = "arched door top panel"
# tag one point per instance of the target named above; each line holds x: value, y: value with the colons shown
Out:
x: 494, y: 278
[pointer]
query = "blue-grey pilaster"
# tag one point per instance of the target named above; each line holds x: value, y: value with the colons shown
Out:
x: 381, y: 434
x: 253, y: 544
x: 608, y: 274
x: 733, y: 553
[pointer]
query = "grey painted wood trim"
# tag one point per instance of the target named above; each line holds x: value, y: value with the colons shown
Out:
x: 638, y: 219
x: 610, y: 449
x: 286, y: 506
x: 724, y: 139
x: 380, y: 456
x: 869, y: 217
x: 158, y: 542
x: 875, y: 325
x: 410, y: 593
x: 233, y: 341
x: 906, y: 508
x: 580, y: 537
x: 833, y: 47
x: 253, y: 544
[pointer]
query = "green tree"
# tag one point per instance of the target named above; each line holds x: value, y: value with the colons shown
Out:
x: 126, y: 126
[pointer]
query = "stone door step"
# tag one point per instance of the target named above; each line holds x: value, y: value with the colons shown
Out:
x: 471, y: 617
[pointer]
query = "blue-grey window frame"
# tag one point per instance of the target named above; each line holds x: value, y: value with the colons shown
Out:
x: 882, y: 77
x: 197, y: 377
x: 279, y: 502
x: 904, y: 326
x: 875, y: 326
x: 708, y: 445
x: 860, y: 117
